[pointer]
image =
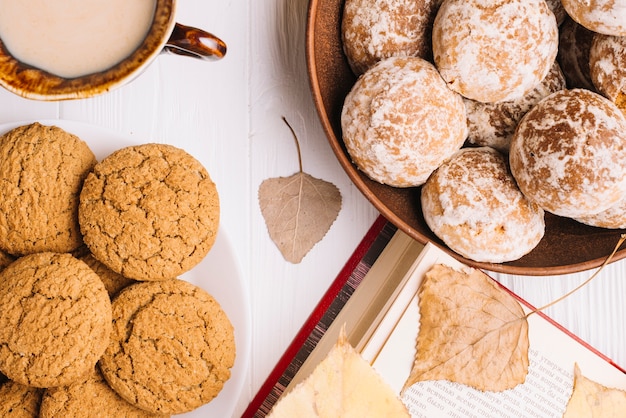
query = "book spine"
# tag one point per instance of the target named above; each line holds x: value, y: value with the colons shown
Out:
x: 325, y: 312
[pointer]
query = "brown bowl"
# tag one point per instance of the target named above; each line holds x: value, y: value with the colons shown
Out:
x: 567, y: 247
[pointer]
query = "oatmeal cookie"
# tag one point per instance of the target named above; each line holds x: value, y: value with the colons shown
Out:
x: 90, y: 398
x: 171, y: 348
x: 19, y: 401
x: 149, y: 212
x: 113, y: 282
x: 55, y: 320
x: 41, y: 175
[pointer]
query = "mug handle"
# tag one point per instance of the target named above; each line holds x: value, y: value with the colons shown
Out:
x: 196, y: 43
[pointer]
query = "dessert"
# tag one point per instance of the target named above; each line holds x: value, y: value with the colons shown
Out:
x: 602, y: 16
x: 55, y: 320
x: 149, y: 212
x: 568, y: 154
x: 87, y: 398
x: 19, y: 401
x: 42, y: 174
x: 479, y: 50
x: 171, y: 348
x: 607, y: 63
x: 493, y: 124
x: 400, y: 121
x: 473, y: 204
x: 376, y: 29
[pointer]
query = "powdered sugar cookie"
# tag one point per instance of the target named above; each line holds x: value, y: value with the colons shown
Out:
x: 473, y: 204
x: 400, y: 121
x: 376, y: 29
x: 568, y: 154
x: 493, y: 124
x: 603, y: 16
x: 611, y: 218
x: 607, y: 64
x: 494, y: 51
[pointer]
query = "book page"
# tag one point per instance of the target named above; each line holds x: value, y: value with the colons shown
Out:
x: 549, y: 384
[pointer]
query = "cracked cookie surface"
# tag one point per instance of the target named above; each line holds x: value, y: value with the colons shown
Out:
x: 19, y: 401
x: 42, y: 172
x: 91, y: 398
x: 172, y: 346
x: 149, y: 212
x: 55, y: 320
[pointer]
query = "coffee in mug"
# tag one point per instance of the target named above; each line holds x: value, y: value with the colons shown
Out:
x: 66, y: 49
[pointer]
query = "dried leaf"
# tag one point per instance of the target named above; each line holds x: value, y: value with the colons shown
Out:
x: 591, y: 399
x: 471, y: 332
x: 298, y: 212
x: 298, y: 209
x: 343, y: 385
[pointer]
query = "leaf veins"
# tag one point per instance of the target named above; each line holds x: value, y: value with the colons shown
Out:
x: 298, y: 210
x: 471, y: 332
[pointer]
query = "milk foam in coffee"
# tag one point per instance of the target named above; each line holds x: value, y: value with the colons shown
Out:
x: 71, y: 38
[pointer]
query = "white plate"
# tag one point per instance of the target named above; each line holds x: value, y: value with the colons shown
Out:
x: 218, y: 273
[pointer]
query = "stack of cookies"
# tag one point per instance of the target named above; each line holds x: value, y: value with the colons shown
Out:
x: 93, y: 318
x: 541, y: 83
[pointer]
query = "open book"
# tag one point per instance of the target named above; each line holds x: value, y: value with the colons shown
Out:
x: 375, y: 298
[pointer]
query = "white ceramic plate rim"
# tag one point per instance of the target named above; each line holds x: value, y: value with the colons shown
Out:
x: 219, y: 273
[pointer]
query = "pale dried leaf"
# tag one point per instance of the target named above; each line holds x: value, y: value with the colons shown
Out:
x: 471, y: 332
x: 298, y: 210
x: 591, y: 399
x: 342, y: 385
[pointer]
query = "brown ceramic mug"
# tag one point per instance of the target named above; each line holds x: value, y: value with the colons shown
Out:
x: 163, y: 35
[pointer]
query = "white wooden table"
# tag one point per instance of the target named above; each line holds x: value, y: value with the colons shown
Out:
x: 230, y: 112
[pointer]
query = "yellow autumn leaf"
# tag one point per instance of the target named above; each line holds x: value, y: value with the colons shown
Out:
x: 471, y: 332
x: 342, y: 385
x: 591, y: 399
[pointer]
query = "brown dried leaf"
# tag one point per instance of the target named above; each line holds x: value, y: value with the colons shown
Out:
x: 298, y: 212
x: 471, y: 332
x: 591, y: 399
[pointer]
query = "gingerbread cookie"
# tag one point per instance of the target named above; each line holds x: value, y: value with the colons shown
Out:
x: 42, y: 172
x: 607, y: 65
x: 372, y: 30
x: 171, y: 348
x: 400, y: 121
x: 55, y: 320
x: 19, y: 401
x: 493, y: 124
x: 479, y: 50
x: 568, y: 154
x: 90, y: 398
x: 149, y: 212
x: 473, y: 205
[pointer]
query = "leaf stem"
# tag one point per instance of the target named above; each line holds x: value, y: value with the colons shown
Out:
x: 583, y: 284
x: 295, y: 137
